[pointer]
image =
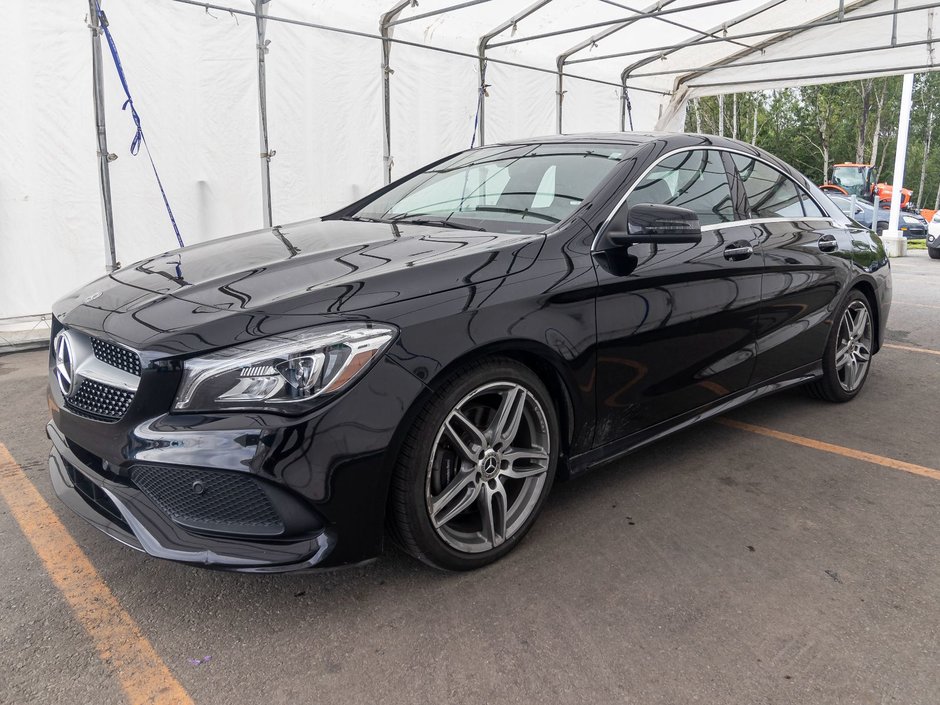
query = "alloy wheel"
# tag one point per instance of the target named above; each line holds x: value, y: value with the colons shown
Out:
x: 488, y: 467
x: 853, y: 346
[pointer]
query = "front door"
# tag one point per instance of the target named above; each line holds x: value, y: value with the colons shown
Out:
x: 677, y: 323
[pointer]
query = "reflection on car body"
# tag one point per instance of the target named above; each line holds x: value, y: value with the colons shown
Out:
x: 430, y: 358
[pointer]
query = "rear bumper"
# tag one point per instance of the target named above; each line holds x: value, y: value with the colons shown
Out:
x: 126, y: 514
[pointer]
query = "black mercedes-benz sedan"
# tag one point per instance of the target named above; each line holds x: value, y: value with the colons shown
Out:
x: 426, y: 362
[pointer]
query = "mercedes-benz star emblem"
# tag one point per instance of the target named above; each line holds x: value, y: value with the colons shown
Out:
x: 63, y: 362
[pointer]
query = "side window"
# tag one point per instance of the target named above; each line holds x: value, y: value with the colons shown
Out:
x: 842, y: 204
x: 695, y: 180
x: 772, y: 194
x: 810, y: 207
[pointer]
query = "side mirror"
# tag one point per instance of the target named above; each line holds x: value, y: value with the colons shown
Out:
x: 653, y: 223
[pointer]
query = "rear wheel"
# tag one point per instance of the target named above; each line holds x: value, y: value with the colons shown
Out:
x: 476, y: 467
x: 847, y: 359
x: 880, y: 229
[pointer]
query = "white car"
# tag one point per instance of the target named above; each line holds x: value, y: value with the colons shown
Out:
x: 933, y: 227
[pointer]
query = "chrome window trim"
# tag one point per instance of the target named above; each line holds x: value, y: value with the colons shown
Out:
x: 758, y: 221
x: 715, y: 226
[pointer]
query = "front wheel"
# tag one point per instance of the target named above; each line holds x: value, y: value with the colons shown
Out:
x: 847, y: 359
x: 476, y: 467
x: 934, y: 252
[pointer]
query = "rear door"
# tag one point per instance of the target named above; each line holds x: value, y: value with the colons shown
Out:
x: 807, y: 260
x: 677, y: 323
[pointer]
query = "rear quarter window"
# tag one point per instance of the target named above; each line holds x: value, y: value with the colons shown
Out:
x: 773, y: 194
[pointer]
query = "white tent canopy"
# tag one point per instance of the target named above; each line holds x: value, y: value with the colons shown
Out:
x: 192, y: 67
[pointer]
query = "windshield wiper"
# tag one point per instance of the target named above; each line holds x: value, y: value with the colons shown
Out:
x: 436, y: 222
x: 362, y: 219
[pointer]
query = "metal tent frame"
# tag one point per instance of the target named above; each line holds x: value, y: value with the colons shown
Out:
x: 687, y: 80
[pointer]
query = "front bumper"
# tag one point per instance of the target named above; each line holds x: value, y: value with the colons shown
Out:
x: 125, y: 513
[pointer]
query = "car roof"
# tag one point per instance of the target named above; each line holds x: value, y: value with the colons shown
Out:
x: 625, y: 138
x: 635, y: 139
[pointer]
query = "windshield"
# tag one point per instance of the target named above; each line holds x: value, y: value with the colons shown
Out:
x: 851, y: 178
x: 510, y: 189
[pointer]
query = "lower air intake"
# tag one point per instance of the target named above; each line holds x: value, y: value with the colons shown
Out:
x: 210, y: 500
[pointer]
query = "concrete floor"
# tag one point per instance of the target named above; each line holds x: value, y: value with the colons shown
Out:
x: 718, y: 567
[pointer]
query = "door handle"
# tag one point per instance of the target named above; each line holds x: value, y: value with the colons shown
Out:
x: 828, y: 243
x: 738, y: 251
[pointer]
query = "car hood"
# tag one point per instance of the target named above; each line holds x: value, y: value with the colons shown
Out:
x: 308, y: 271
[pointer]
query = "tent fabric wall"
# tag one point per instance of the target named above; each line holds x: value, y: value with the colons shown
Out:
x: 193, y: 74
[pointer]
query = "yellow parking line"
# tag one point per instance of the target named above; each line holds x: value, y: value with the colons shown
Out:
x: 831, y: 448
x: 910, y: 348
x: 144, y: 676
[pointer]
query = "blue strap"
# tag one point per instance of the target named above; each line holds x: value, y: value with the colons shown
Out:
x: 139, y: 135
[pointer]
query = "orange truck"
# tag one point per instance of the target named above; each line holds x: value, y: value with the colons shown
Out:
x: 861, y: 180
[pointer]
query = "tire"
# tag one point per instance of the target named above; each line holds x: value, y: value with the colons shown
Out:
x: 454, y: 464
x: 847, y: 358
x: 881, y: 228
x: 934, y: 252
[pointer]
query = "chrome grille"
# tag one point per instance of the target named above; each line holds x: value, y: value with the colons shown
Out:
x: 116, y: 356
x: 100, y: 401
x: 98, y: 379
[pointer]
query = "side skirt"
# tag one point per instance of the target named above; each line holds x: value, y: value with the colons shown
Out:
x: 617, y: 449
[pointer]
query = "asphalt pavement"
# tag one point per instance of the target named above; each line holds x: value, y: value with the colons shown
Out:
x: 722, y: 565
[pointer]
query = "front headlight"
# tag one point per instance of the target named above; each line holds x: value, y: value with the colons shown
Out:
x: 282, y: 373
x: 911, y: 220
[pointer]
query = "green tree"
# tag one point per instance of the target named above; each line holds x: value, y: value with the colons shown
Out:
x: 814, y: 127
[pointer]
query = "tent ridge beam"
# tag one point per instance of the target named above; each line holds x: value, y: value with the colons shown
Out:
x: 764, y: 32
x: 674, y: 23
x: 606, y: 23
x: 821, y: 55
x: 403, y: 42
x: 595, y: 38
x: 823, y: 20
x: 859, y: 74
x: 696, y: 40
x: 440, y: 11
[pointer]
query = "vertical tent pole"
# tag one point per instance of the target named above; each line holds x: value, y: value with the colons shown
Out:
x: 481, y: 110
x: 895, y: 244
x: 623, y: 102
x: 384, y: 24
x: 626, y: 109
x: 104, y: 157
x: 481, y: 55
x: 721, y: 114
x: 266, y: 153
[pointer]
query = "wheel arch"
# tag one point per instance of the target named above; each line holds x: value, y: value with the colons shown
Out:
x: 545, y: 364
x: 867, y: 288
